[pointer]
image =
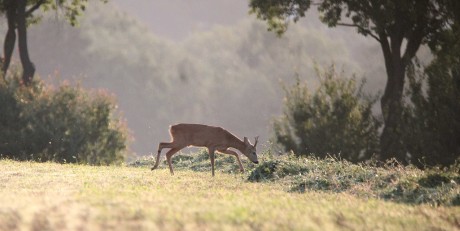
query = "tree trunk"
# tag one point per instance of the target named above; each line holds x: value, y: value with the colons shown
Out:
x: 27, y: 65
x: 10, y: 37
x: 391, y: 145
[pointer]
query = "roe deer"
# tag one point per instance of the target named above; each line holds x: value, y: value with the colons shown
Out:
x: 213, y: 138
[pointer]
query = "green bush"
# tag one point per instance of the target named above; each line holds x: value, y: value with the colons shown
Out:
x: 66, y: 124
x: 335, y: 120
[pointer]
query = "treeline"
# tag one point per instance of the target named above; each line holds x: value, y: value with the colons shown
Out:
x: 228, y: 76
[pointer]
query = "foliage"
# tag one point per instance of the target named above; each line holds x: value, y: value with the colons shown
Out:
x: 71, y: 9
x: 370, y: 18
x: 399, y: 26
x: 335, y: 120
x: 432, y: 121
x: 66, y: 125
x: 277, y: 13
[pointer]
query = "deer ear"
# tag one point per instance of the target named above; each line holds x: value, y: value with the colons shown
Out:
x: 255, y: 140
x: 246, y: 141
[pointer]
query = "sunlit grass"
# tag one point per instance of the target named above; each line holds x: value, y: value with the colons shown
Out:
x: 50, y: 196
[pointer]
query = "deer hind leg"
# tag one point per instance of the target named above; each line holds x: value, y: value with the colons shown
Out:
x: 160, y: 147
x: 169, y: 155
x: 230, y: 152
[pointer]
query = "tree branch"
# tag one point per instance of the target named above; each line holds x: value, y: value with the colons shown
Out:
x: 415, y: 37
x: 361, y: 28
x: 386, y: 53
x: 10, y: 37
x: 413, y: 44
x: 34, y: 8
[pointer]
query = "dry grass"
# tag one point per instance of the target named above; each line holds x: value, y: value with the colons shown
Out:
x: 51, y: 196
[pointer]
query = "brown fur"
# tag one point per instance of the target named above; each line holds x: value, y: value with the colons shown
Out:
x: 213, y: 138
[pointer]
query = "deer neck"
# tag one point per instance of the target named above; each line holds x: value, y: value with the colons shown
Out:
x: 239, y: 144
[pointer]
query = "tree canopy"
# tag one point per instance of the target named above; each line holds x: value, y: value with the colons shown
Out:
x: 20, y: 14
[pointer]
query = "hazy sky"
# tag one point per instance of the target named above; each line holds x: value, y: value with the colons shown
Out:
x: 175, y: 19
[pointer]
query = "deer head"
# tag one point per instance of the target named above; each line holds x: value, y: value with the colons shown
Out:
x: 250, y: 150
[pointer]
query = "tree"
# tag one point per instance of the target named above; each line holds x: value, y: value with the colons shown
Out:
x: 19, y: 14
x: 399, y: 26
x: 335, y: 120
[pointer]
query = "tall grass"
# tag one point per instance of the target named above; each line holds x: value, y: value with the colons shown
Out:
x: 389, y: 181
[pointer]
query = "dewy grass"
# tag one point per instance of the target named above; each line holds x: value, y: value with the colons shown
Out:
x: 50, y: 196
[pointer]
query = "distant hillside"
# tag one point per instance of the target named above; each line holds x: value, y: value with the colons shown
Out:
x: 228, y: 76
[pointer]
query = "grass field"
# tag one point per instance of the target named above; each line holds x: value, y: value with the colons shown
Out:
x: 48, y: 196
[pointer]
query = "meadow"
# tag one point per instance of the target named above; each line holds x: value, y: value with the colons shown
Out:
x: 279, y: 194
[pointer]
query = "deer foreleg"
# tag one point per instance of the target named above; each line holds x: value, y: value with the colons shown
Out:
x: 230, y: 152
x: 212, y: 156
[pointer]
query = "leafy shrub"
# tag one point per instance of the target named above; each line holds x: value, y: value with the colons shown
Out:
x: 335, y: 120
x: 66, y: 124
